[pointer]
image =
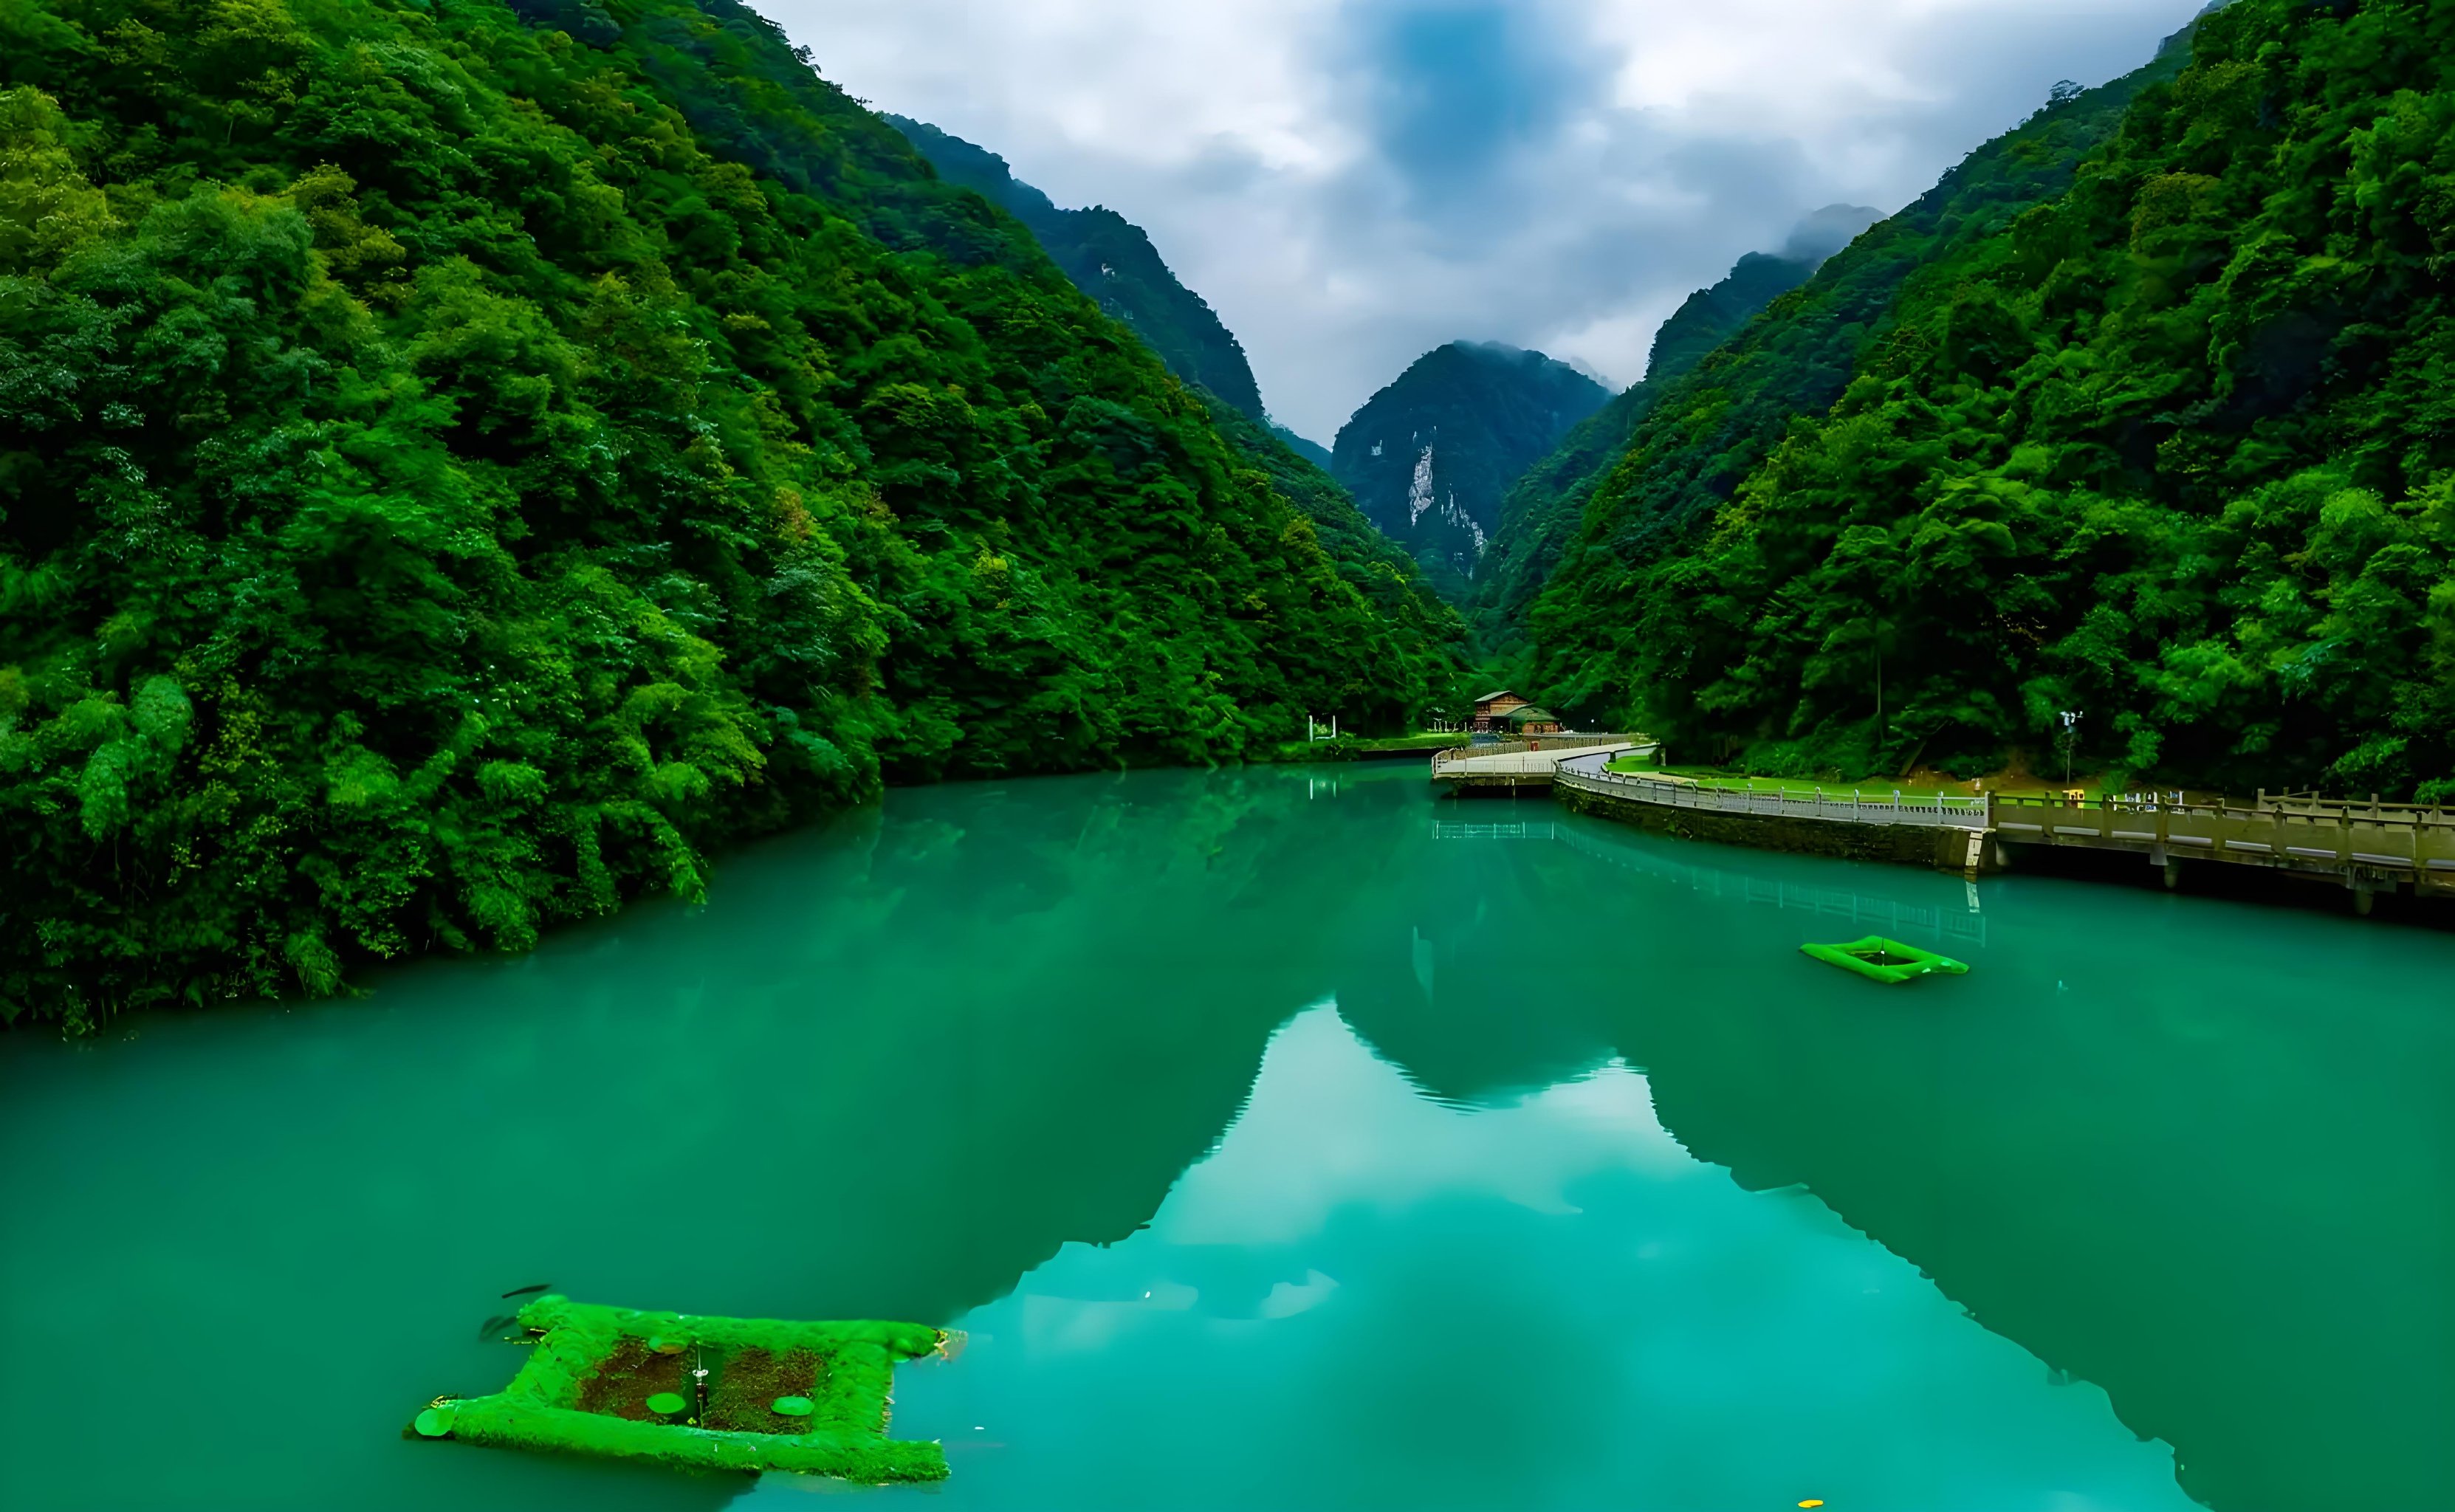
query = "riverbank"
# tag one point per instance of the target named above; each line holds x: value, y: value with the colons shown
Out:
x: 2370, y: 852
x: 1806, y: 833
x: 1348, y: 748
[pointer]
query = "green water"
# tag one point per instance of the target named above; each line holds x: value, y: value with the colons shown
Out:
x: 1288, y: 1139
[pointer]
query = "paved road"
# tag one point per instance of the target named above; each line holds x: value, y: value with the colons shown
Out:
x: 1523, y: 763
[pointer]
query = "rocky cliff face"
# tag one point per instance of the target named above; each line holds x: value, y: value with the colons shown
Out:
x: 1430, y: 458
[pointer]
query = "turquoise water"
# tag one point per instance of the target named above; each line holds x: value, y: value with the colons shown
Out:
x: 1288, y: 1138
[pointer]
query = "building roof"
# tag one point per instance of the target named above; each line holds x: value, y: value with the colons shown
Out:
x: 1530, y: 714
x: 1489, y: 697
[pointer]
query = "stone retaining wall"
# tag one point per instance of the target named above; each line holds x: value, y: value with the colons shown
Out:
x: 1912, y: 845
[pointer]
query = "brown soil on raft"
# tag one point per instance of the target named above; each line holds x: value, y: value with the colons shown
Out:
x: 629, y: 1377
x: 747, y: 1386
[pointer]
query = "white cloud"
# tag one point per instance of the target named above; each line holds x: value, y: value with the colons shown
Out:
x: 1353, y: 182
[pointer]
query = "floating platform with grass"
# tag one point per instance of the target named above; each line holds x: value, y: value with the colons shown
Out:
x: 1886, y: 961
x: 703, y: 1393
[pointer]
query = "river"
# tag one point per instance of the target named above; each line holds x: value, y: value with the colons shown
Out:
x: 1290, y: 1138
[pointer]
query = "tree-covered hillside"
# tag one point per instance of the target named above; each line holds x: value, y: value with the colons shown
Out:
x: 1540, y: 513
x: 1705, y: 431
x: 2171, y: 446
x: 1433, y: 632
x: 460, y: 464
x: 1310, y: 450
x: 1111, y: 259
x: 1430, y: 458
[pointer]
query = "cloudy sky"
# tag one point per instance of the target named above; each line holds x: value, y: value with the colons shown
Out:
x: 1354, y: 182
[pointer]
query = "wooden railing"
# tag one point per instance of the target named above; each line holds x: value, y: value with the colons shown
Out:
x: 2303, y: 832
x: 2311, y: 803
x: 2386, y: 837
x: 1894, y: 808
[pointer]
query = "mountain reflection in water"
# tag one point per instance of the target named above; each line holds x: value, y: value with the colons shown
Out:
x: 987, y: 1056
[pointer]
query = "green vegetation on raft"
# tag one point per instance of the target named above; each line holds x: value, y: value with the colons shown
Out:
x: 1885, y: 960
x: 845, y: 1434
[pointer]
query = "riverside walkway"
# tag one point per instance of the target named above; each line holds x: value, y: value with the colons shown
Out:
x: 2368, y: 846
x: 1520, y: 764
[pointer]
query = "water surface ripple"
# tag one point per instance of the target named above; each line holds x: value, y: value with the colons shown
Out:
x: 1287, y: 1139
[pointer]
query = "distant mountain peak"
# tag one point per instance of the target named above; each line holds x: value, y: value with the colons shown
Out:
x: 1711, y: 316
x: 1429, y: 457
x: 1593, y: 371
x: 1827, y: 230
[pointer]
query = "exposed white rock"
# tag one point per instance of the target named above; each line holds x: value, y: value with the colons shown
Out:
x: 1459, y: 517
x: 1419, y: 492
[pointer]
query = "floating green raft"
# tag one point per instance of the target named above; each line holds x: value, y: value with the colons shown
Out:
x: 1886, y: 959
x: 705, y: 1393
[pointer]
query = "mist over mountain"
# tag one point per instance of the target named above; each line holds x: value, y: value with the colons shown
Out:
x: 1541, y: 510
x: 1352, y: 183
x: 1430, y: 458
x: 1710, y: 316
x: 1109, y: 259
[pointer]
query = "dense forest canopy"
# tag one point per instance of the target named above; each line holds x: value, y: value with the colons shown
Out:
x: 2171, y: 447
x: 1696, y: 435
x: 1377, y: 567
x: 1111, y: 259
x: 460, y: 462
x: 1539, y: 514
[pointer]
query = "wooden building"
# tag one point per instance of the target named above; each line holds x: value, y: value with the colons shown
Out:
x: 1492, y: 710
x: 1532, y: 721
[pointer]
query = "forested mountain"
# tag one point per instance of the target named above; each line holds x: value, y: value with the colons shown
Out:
x: 1539, y: 514
x: 1710, y: 316
x: 1310, y: 450
x: 2166, y: 438
x: 460, y: 464
x: 1428, y: 457
x: 1378, y: 568
x: 1726, y: 406
x: 1111, y: 259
